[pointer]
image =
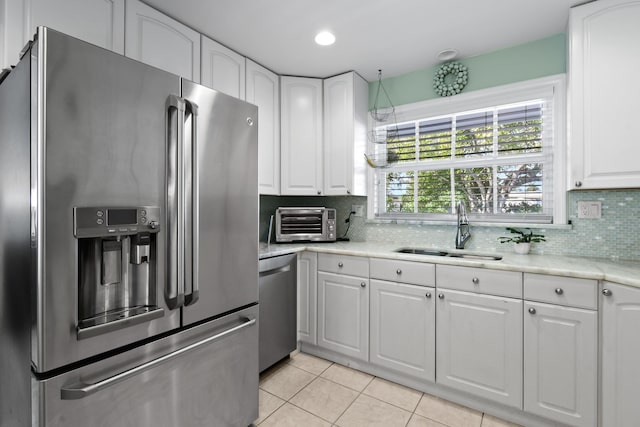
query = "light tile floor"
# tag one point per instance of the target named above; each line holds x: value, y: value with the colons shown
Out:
x: 309, y: 391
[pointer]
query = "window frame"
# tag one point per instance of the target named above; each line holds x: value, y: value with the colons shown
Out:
x: 553, y: 87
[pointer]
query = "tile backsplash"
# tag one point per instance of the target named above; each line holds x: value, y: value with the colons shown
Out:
x: 616, y: 235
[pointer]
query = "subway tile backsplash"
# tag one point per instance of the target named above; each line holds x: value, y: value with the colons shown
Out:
x: 616, y: 235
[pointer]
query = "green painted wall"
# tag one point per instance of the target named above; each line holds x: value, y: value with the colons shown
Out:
x: 527, y: 61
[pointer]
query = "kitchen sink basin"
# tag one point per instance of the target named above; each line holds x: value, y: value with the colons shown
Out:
x: 417, y: 251
x: 435, y: 252
x: 480, y: 257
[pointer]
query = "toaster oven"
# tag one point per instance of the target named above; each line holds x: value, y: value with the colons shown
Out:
x: 305, y: 224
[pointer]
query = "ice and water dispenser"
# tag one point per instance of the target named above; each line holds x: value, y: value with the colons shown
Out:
x: 117, y: 267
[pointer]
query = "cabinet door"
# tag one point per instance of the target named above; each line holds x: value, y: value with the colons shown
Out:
x: 156, y: 39
x: 560, y: 363
x: 307, y: 291
x: 603, y: 144
x: 100, y: 22
x: 343, y: 314
x: 222, y: 68
x: 263, y: 90
x: 620, y: 355
x: 479, y: 345
x: 403, y: 328
x: 301, y: 143
x: 345, y: 124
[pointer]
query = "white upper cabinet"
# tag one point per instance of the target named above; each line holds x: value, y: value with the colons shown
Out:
x: 158, y: 40
x: 222, y: 68
x: 263, y: 90
x: 345, y: 135
x: 100, y: 22
x: 301, y: 137
x: 604, y: 89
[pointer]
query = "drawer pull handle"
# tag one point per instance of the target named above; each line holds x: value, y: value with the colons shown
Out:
x: 475, y: 280
x: 398, y: 271
x: 559, y: 291
x: 441, y: 296
x: 532, y: 310
x: 607, y: 292
x: 340, y: 264
x: 362, y: 284
x: 428, y: 295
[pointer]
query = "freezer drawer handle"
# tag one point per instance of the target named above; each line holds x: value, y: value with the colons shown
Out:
x: 82, y: 390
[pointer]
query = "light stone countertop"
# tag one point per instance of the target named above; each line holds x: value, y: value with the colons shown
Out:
x: 622, y: 272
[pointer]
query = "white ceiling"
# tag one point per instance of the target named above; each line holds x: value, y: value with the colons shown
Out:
x: 396, y: 36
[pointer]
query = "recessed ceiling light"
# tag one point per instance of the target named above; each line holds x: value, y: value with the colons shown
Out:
x: 325, y: 38
x: 447, y: 54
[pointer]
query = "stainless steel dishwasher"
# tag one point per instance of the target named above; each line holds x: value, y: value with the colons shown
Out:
x: 278, y: 300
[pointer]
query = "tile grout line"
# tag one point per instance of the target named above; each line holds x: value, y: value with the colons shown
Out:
x: 354, y: 400
x: 359, y: 394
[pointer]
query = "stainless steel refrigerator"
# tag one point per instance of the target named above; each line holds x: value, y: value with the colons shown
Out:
x: 128, y: 244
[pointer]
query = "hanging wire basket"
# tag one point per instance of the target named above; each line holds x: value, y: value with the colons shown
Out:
x: 383, y: 135
x: 382, y: 114
x: 381, y: 158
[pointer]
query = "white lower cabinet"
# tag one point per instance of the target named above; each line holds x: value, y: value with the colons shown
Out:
x: 402, y: 322
x: 620, y: 355
x: 343, y: 314
x: 560, y: 363
x: 307, y: 289
x: 479, y: 345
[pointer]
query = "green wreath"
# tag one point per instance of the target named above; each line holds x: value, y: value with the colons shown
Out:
x: 455, y: 73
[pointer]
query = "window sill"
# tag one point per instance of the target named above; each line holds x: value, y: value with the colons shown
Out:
x: 472, y: 224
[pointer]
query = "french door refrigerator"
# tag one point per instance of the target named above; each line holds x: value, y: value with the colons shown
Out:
x: 128, y: 244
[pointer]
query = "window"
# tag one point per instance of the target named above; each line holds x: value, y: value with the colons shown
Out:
x: 498, y: 150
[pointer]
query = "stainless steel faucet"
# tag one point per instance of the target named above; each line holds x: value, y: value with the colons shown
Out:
x: 462, y: 234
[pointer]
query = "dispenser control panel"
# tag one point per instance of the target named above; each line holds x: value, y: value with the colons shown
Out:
x: 115, y: 221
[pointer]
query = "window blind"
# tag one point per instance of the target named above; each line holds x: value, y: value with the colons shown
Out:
x: 498, y: 160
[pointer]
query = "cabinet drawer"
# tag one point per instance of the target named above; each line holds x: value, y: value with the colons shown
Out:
x: 480, y: 280
x: 344, y: 264
x: 568, y: 291
x: 417, y: 273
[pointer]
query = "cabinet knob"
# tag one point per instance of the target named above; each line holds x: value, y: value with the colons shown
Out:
x: 578, y: 184
x: 340, y: 264
x: 475, y: 280
x: 559, y: 291
x: 363, y: 284
x: 319, y: 192
x: 607, y: 292
x: 398, y: 271
x: 441, y: 296
x: 348, y: 191
x: 532, y: 310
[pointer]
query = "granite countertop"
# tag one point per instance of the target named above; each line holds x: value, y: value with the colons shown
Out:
x: 622, y: 272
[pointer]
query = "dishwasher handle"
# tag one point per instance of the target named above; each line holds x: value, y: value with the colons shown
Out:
x: 275, y: 271
x: 82, y: 390
x: 275, y: 265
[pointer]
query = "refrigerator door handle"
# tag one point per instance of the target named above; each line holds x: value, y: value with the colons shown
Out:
x: 174, y: 290
x: 191, y: 206
x: 82, y: 390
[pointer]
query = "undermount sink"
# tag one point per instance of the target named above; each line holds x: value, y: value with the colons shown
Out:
x: 417, y: 251
x: 435, y: 252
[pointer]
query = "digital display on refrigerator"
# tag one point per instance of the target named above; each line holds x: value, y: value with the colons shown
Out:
x: 122, y: 216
